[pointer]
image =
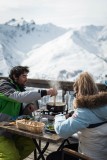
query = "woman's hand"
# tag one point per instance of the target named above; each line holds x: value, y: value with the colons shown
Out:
x: 69, y: 114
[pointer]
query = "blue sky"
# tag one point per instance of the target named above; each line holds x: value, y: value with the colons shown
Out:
x: 66, y: 13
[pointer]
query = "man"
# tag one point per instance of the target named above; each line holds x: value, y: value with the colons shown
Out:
x: 12, y: 98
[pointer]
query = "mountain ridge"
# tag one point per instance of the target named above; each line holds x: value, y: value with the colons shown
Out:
x: 53, y: 51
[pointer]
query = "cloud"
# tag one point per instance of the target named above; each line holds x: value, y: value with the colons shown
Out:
x: 59, y: 12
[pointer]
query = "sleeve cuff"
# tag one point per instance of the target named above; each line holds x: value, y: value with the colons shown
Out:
x: 59, y: 118
x: 43, y: 92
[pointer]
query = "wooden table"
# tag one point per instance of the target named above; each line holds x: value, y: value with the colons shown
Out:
x: 53, y: 138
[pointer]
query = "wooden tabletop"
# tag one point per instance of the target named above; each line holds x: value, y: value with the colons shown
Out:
x: 49, y: 137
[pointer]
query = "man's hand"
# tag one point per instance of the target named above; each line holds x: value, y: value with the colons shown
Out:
x: 52, y: 92
x: 29, y: 109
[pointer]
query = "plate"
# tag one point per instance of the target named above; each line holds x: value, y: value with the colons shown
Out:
x: 8, y: 123
x: 50, y: 128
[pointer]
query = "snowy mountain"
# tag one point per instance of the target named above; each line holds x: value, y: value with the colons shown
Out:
x: 68, y: 55
x: 53, y: 52
x: 17, y: 38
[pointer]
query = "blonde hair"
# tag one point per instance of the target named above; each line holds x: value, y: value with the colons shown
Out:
x: 85, y: 85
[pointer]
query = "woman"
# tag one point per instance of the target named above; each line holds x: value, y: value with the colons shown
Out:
x: 89, y: 120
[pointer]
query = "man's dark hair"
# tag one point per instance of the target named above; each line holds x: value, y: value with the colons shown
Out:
x: 18, y: 70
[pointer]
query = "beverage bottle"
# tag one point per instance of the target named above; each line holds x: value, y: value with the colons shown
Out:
x: 106, y: 81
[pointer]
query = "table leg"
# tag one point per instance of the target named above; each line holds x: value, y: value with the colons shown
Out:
x: 44, y: 149
x: 35, y: 154
x: 62, y: 144
x: 41, y: 152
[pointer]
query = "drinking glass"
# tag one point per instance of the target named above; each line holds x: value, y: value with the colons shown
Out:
x: 36, y: 116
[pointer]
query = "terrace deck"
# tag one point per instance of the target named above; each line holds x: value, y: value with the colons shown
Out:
x: 52, y: 147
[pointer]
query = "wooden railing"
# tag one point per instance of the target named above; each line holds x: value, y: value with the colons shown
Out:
x: 63, y: 85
